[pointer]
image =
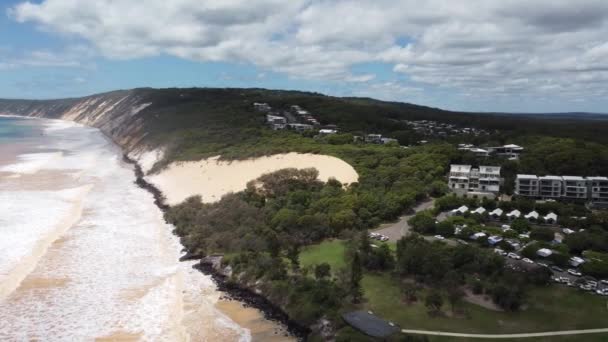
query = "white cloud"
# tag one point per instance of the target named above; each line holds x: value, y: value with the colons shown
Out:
x: 484, y: 47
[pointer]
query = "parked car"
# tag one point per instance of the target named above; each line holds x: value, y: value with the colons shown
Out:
x: 542, y: 264
x: 500, y: 252
x: 526, y: 260
x: 439, y: 237
x: 575, y: 273
x: 513, y: 256
x: 556, y: 269
x: 604, y: 281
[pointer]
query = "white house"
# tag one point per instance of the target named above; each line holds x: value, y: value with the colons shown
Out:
x: 479, y: 211
x: 550, y: 218
x: 496, y: 213
x: 532, y: 216
x: 514, y: 214
x: 510, y: 151
x: 461, y: 210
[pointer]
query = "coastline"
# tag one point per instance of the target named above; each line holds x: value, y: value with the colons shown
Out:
x: 231, y: 290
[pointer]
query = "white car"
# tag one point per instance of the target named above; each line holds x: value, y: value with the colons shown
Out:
x: 513, y: 256
x: 384, y: 238
x: 526, y: 260
x: 575, y: 272
x: 439, y: 237
x: 542, y: 264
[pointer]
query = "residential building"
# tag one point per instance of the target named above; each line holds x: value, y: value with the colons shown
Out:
x: 388, y: 140
x: 489, y: 179
x: 598, y: 189
x: 550, y: 218
x: 532, y: 216
x: 496, y: 214
x: 550, y: 186
x: 465, y: 179
x: 514, y: 214
x: 373, y: 138
x: 299, y: 127
x: 459, y: 177
x: 592, y: 189
x: 327, y: 131
x: 526, y: 185
x: 574, y: 187
x: 510, y: 151
x: 262, y: 107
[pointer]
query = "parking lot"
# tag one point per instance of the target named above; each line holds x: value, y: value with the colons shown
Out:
x: 566, y: 279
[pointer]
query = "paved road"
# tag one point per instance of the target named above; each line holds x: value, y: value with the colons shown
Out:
x: 395, y: 231
x: 524, y: 335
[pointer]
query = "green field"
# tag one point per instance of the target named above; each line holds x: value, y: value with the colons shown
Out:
x: 331, y: 252
x: 551, y: 308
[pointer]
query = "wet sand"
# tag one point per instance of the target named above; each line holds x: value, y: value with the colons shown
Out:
x: 261, y: 329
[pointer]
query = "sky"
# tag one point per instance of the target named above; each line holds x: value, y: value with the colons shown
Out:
x: 470, y: 55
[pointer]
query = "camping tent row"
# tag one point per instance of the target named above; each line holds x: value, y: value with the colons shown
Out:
x: 532, y: 216
x: 464, y: 209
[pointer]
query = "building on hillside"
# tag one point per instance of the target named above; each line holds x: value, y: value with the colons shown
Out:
x: 598, y: 189
x: 526, y: 185
x: 464, y: 179
x: 299, y: 127
x: 510, y: 151
x: 373, y: 138
x: 327, y: 131
x: 262, y: 107
x: 388, y: 140
x: 550, y: 186
x: 574, y: 187
x: 591, y: 189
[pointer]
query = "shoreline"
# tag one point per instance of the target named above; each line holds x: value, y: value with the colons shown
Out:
x: 231, y: 290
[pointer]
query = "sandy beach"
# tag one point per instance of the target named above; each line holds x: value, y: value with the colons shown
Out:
x: 212, y: 178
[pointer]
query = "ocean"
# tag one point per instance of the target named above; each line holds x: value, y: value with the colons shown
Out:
x: 84, y: 253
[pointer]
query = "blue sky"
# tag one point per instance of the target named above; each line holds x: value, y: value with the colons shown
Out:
x: 487, y: 56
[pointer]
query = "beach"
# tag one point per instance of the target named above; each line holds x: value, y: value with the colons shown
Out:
x: 85, y: 253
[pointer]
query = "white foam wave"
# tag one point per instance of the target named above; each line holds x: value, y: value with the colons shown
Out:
x: 30, y: 163
x: 119, y: 261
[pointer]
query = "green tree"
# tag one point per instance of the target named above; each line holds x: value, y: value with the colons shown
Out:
x: 356, y: 274
x: 542, y: 234
x: 520, y: 225
x: 322, y: 271
x: 433, y: 301
x: 423, y: 222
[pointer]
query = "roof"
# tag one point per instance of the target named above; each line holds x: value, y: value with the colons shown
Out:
x: 598, y: 178
x: 551, y: 216
x: 532, y: 214
x: 515, y: 213
x: 480, y: 210
x: 544, y: 252
x: 330, y: 131
x: 369, y: 324
x: 489, y: 169
x: 462, y: 209
x: 527, y: 177
x: 551, y: 177
x: 496, y: 211
x: 573, y: 178
x: 513, y: 146
x: 460, y: 168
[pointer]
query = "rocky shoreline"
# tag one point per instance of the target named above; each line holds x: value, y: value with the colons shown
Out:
x: 232, y: 290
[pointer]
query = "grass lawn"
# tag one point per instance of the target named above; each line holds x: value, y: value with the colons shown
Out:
x: 330, y: 251
x: 552, y: 308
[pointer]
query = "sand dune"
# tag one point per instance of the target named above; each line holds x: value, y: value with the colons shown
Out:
x: 212, y: 178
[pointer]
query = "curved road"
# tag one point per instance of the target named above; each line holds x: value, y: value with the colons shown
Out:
x: 395, y: 231
x: 522, y: 335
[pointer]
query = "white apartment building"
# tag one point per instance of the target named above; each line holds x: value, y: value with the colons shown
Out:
x: 550, y: 186
x: 574, y: 187
x: 598, y: 189
x: 526, y: 185
x: 466, y: 179
x: 593, y: 189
